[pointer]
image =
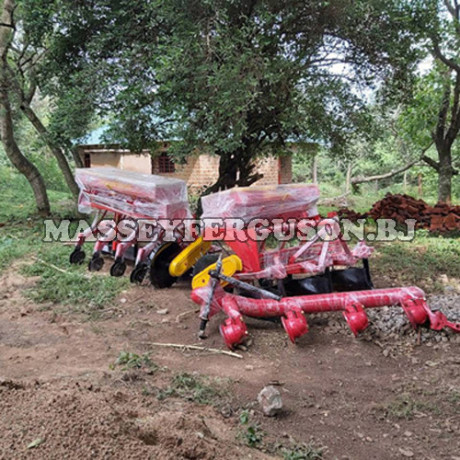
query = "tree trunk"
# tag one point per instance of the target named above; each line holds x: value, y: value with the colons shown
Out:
x: 235, y: 170
x: 314, y: 170
x: 76, y: 157
x: 445, y: 175
x: 57, y: 152
x: 348, y: 178
x: 22, y: 164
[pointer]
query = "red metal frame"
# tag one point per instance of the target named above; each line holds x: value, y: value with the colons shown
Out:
x: 292, y: 309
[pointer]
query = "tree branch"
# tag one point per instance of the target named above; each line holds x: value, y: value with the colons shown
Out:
x: 431, y: 162
x: 438, y: 53
x: 442, y: 116
x: 360, y: 180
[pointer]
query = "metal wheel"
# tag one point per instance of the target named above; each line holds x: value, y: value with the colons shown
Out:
x: 138, y: 273
x: 96, y: 263
x: 77, y: 256
x: 118, y: 268
x: 159, y: 266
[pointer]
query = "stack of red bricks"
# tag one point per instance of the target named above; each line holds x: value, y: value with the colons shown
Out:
x: 440, y: 218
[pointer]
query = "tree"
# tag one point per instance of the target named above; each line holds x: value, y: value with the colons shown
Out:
x: 24, y: 166
x: 239, y: 78
x: 25, y: 58
x: 434, y: 112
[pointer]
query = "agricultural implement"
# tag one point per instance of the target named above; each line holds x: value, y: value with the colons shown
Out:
x: 319, y: 274
x: 127, y: 204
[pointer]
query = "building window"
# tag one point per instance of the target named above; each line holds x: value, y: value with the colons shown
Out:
x: 166, y: 164
x: 87, y: 160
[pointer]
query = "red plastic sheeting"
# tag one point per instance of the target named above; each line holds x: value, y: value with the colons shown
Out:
x: 132, y: 194
x: 262, y: 202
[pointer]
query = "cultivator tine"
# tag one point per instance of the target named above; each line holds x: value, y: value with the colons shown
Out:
x: 204, y: 316
x: 439, y: 321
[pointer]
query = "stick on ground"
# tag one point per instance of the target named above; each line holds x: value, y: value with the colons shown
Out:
x: 194, y: 347
x: 55, y: 267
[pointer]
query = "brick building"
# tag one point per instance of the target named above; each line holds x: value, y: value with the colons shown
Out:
x: 198, y: 171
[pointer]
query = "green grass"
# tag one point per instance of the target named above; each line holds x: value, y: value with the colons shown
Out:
x: 418, y: 262
x: 17, y: 200
x: 406, y: 405
x: 76, y: 288
x: 196, y: 388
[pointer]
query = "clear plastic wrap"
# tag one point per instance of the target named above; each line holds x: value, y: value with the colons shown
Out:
x: 132, y: 194
x: 264, y: 202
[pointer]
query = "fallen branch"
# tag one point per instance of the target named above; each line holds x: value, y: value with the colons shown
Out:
x: 194, y: 347
x: 361, y: 180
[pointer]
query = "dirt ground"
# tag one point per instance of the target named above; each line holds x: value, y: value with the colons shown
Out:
x: 61, y: 396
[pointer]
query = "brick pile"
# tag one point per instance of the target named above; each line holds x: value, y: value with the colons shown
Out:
x: 440, y: 218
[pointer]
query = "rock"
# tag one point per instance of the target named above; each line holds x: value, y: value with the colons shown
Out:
x: 163, y: 311
x: 123, y: 300
x: 444, y: 278
x: 270, y: 400
x: 406, y: 452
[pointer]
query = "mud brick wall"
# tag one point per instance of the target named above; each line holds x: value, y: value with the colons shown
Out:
x: 200, y: 170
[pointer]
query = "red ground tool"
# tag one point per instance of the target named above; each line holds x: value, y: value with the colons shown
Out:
x: 128, y: 204
x: 321, y: 274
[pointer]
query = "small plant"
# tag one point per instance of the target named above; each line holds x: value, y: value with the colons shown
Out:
x: 303, y: 452
x: 250, y: 432
x: 192, y: 388
x: 133, y: 361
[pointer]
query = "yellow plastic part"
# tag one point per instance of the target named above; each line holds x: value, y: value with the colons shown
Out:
x: 187, y: 258
x: 230, y: 265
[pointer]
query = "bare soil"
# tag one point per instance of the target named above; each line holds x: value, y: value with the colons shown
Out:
x: 362, y: 398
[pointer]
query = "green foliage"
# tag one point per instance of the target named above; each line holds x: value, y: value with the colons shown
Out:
x: 303, y: 452
x: 75, y: 288
x: 241, y: 78
x: 199, y: 389
x: 134, y: 361
x: 251, y: 433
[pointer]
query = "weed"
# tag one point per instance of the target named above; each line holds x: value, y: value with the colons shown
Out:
x: 251, y: 433
x: 133, y: 361
x: 303, y: 452
x: 193, y: 388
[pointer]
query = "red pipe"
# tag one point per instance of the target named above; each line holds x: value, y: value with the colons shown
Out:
x: 290, y: 309
x: 336, y: 301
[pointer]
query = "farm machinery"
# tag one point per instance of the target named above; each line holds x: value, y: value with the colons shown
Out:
x: 318, y: 274
x: 127, y: 206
